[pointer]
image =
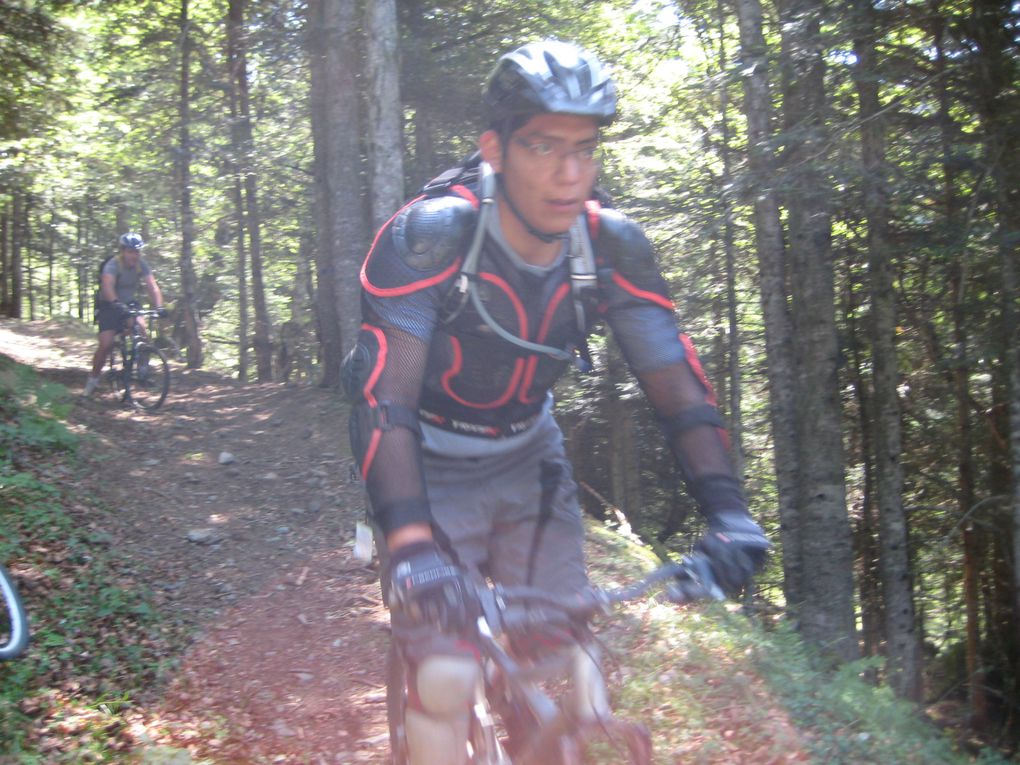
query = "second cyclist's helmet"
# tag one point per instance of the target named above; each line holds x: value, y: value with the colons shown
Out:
x: 549, y: 76
x: 131, y: 241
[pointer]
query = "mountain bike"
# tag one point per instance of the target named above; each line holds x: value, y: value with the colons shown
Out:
x: 521, y: 717
x: 138, y: 373
x: 14, y: 634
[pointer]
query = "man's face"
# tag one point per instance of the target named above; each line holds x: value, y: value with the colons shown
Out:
x: 549, y: 167
x: 131, y: 256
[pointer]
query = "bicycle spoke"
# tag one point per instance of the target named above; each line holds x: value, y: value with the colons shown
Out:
x: 113, y: 377
x: 149, y: 380
x: 611, y: 742
x: 542, y: 710
x: 396, y: 702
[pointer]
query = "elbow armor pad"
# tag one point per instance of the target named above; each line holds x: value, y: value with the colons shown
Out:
x: 369, y: 417
x: 694, y: 417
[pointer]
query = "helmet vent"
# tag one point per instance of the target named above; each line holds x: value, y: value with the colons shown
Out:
x: 550, y: 77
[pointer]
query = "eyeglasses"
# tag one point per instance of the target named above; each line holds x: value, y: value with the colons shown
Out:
x: 548, y: 155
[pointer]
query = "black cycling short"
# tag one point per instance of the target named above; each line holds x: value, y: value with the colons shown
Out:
x: 109, y: 317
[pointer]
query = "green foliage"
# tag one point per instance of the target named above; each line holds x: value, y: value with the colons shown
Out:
x: 687, y: 671
x: 90, y: 142
x: 851, y: 719
x: 29, y: 36
x: 94, y: 633
x: 29, y: 413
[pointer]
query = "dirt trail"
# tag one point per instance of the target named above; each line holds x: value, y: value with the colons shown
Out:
x: 255, y: 553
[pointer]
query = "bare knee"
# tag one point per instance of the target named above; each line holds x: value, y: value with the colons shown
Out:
x: 445, y: 684
x: 106, y: 339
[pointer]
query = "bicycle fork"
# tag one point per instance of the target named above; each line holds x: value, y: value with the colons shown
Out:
x: 489, y: 749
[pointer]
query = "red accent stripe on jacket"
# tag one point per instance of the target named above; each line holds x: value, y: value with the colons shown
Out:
x: 421, y: 284
x: 652, y: 297
x: 543, y: 331
x: 373, y: 378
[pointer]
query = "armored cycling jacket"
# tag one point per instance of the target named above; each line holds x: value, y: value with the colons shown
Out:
x: 426, y: 357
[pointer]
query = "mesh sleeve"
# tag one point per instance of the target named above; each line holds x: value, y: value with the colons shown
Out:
x: 701, y: 450
x: 396, y: 481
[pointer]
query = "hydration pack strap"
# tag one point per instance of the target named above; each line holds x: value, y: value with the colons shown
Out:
x: 458, y: 296
x: 582, y: 277
x: 550, y: 476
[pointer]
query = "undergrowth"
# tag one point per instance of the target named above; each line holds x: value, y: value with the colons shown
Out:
x: 715, y: 687
x: 95, y: 636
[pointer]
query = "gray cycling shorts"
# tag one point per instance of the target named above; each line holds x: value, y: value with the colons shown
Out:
x: 514, y: 517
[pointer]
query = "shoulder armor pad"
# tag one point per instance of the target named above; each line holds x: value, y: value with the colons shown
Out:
x: 432, y: 231
x: 622, y: 245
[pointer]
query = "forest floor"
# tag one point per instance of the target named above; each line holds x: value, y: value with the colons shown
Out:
x: 288, y: 630
x: 237, y: 507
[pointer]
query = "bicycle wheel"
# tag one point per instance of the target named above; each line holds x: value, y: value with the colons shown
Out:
x: 13, y: 619
x: 148, y: 379
x: 484, y: 739
x: 113, y: 376
x: 396, y: 703
x: 608, y: 742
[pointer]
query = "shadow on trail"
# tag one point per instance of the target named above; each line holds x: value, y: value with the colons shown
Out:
x: 251, y: 552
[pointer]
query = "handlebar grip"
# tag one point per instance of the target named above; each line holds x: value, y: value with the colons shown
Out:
x: 697, y: 584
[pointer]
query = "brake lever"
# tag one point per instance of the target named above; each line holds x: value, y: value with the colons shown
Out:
x: 698, y: 583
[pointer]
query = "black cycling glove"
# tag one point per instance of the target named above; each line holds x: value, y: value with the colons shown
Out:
x: 736, y: 549
x: 426, y: 587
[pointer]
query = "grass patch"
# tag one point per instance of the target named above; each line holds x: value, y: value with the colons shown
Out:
x: 96, y: 638
x: 716, y: 688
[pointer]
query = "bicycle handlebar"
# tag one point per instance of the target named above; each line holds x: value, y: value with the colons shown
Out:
x: 507, y: 609
x: 133, y: 311
x: 149, y: 313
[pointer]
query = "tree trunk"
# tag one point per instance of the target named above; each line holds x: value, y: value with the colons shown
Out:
x: 384, y: 110
x: 90, y: 268
x: 49, y: 251
x: 79, y: 261
x: 772, y: 276
x: 625, y: 471
x: 903, y: 645
x: 827, y: 618
x: 244, y: 147
x: 27, y: 267
x: 867, y: 530
x: 415, y: 63
x: 736, y: 421
x: 1011, y: 330
x: 237, y: 200
x: 121, y: 224
x: 242, y: 285
x: 338, y: 188
x: 972, y: 543
x: 189, y: 285
x: 322, y: 60
x: 5, y: 265
x: 17, y: 231
x: 993, y: 24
